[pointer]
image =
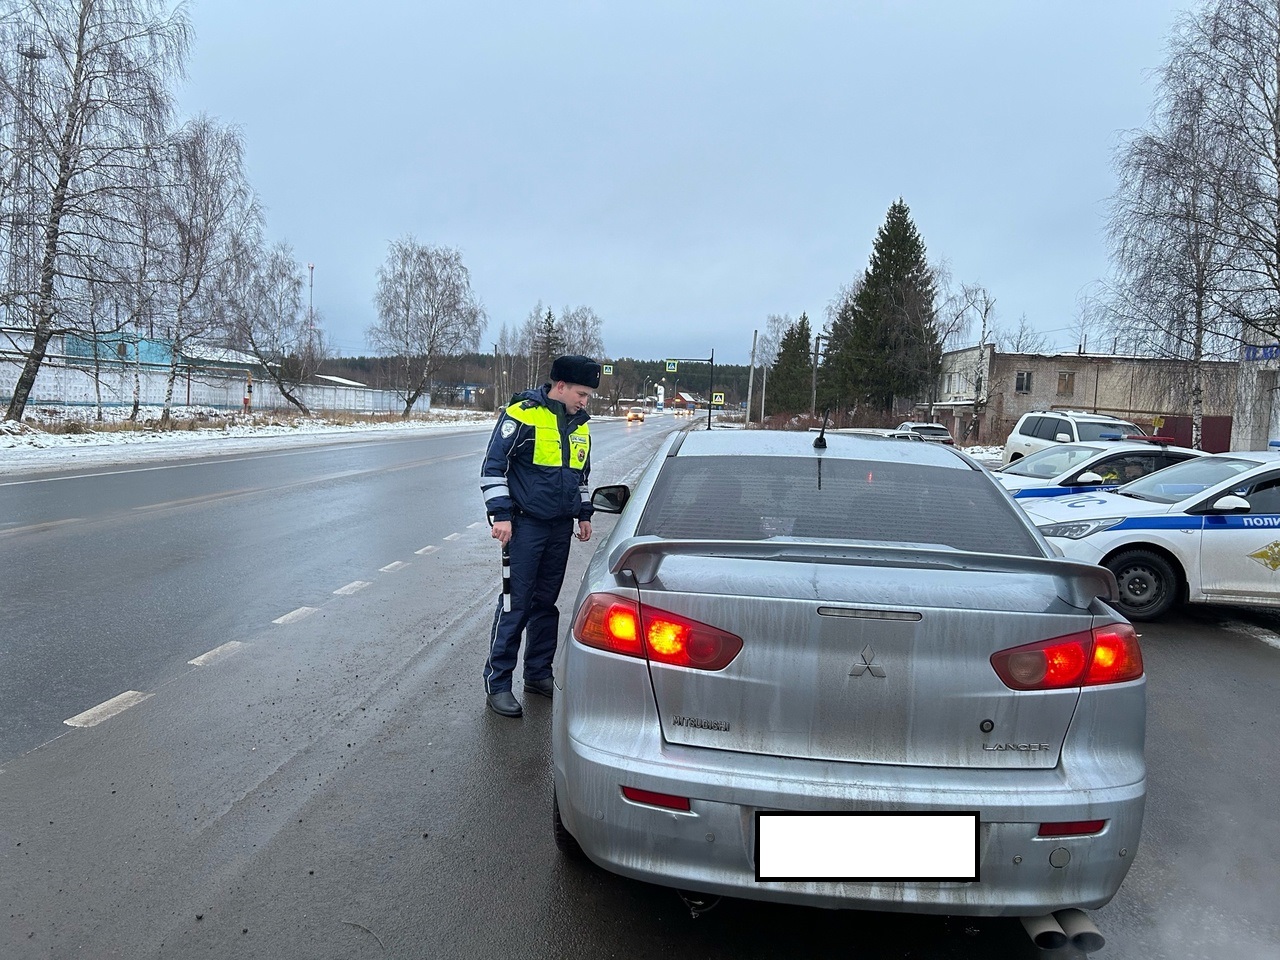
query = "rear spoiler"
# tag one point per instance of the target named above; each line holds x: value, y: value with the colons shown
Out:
x: 642, y: 556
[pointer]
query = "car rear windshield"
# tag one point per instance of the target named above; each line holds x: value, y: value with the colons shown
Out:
x: 932, y: 431
x: 1089, y: 430
x: 754, y: 498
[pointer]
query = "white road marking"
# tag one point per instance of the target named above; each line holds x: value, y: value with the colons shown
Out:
x: 453, y: 536
x: 431, y: 549
x: 355, y: 586
x: 217, y: 653
x: 393, y: 567
x: 107, y: 710
x: 1258, y: 633
x: 39, y: 527
x: 294, y: 616
x: 472, y: 526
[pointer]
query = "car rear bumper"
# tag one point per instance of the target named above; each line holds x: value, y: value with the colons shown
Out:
x: 711, y: 848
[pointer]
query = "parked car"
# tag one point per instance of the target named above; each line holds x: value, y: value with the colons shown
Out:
x: 1202, y: 531
x: 882, y: 432
x: 635, y: 413
x: 1067, y: 468
x: 868, y: 632
x: 1043, y: 428
x: 929, y: 431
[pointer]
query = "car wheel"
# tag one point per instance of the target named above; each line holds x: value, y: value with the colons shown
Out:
x: 564, y: 839
x: 1148, y: 584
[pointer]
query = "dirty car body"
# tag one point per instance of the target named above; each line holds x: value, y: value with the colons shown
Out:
x: 773, y: 629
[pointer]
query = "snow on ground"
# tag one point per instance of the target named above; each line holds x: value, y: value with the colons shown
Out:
x: 27, y: 448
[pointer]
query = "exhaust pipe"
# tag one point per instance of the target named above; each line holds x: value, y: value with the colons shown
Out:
x: 1077, y: 925
x: 1045, y: 932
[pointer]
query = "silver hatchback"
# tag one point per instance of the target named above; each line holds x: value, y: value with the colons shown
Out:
x: 850, y: 675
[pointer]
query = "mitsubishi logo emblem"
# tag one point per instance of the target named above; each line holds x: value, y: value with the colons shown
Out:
x: 868, y: 662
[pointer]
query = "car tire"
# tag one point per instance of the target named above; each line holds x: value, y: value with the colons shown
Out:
x: 564, y: 839
x: 1148, y: 584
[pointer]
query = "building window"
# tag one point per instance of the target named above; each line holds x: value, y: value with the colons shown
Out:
x: 1023, y: 384
x: 1066, y: 383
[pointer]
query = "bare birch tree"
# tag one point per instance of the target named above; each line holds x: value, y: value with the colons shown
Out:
x: 261, y: 295
x: 427, y: 312
x: 1174, y: 234
x: 203, y: 205
x: 87, y: 81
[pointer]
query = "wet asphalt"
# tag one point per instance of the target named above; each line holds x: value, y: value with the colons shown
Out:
x: 334, y: 787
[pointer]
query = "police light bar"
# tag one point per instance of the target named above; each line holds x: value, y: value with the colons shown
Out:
x: 1153, y: 438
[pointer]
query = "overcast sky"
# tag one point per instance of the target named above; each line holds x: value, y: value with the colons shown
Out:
x: 684, y: 168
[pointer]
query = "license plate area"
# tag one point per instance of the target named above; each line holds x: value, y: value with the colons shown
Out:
x: 865, y: 846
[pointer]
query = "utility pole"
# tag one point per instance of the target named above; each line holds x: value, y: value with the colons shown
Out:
x: 751, y: 378
x: 817, y: 346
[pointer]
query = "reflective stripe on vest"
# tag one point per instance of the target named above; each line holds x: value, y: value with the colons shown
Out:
x: 546, y: 438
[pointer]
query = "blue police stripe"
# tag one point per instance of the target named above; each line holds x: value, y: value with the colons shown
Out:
x: 1159, y: 523
x: 1029, y: 492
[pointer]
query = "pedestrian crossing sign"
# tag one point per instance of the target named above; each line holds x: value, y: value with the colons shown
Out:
x: 717, y: 399
x: 671, y: 366
x: 607, y: 370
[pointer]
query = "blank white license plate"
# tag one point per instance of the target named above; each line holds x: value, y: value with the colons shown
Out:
x: 858, y: 846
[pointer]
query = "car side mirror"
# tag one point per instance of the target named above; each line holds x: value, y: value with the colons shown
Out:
x: 611, y: 499
x: 1063, y: 437
x: 1230, y: 504
x: 1089, y: 477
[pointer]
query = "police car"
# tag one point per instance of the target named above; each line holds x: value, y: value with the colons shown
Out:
x: 1067, y: 468
x: 1203, y: 530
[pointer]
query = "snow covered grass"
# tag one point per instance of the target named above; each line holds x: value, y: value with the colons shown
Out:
x: 48, y: 439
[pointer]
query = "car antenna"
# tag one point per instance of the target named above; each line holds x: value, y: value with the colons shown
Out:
x: 820, y: 442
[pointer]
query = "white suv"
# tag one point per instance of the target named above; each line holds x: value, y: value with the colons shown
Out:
x: 1043, y: 428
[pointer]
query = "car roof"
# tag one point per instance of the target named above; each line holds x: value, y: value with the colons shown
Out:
x: 1256, y: 456
x: 1077, y: 415
x: 794, y: 443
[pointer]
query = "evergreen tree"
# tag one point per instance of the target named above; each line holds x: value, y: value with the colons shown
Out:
x: 790, y: 384
x: 884, y: 339
x: 550, y: 340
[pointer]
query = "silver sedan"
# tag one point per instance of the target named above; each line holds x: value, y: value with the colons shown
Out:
x: 846, y: 673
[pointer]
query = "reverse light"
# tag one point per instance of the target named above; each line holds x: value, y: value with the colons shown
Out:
x: 1078, y: 529
x: 1108, y: 654
x: 665, y: 800
x: 619, y: 625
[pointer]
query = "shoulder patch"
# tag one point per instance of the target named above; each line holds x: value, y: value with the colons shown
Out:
x: 508, y: 428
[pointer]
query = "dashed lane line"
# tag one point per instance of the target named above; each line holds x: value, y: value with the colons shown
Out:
x: 295, y: 615
x: 425, y: 550
x: 454, y: 536
x: 217, y: 653
x: 393, y: 567
x: 355, y: 586
x: 472, y: 526
x: 107, y: 710
x: 39, y: 527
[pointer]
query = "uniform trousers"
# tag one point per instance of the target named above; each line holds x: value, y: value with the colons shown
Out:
x: 539, y: 553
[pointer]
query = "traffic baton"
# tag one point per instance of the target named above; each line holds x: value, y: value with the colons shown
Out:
x: 506, y: 577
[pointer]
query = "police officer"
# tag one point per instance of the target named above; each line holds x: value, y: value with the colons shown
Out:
x: 534, y: 482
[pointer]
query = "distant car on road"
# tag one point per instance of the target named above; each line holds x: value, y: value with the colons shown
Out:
x: 1067, y: 468
x: 1204, y: 530
x: 780, y: 644
x: 635, y: 413
x: 935, y: 432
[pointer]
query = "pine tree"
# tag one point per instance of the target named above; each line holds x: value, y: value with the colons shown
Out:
x: 884, y: 341
x: 790, y: 385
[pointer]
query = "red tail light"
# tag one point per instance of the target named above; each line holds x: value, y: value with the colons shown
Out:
x: 1107, y: 654
x: 612, y: 623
